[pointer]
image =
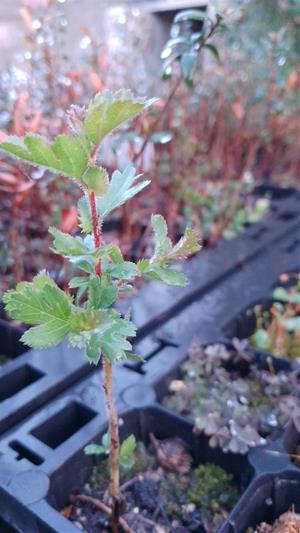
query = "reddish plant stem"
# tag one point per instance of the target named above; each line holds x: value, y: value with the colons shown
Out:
x: 109, y: 400
x: 96, y: 228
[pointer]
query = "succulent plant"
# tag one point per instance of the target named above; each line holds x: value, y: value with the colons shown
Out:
x: 235, y: 402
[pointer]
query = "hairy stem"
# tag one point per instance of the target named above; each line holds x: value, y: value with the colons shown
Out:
x: 96, y: 228
x: 109, y: 400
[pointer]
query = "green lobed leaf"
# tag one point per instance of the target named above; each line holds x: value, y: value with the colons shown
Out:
x: 84, y: 215
x: 66, y: 155
x: 107, y: 111
x: 85, y: 263
x: 120, y: 190
x: 126, y: 454
x: 48, y: 334
x: 142, y: 265
x: 40, y: 302
x: 128, y: 446
x: 66, y: 245
x: 162, y: 242
x: 102, y: 292
x: 167, y: 275
x: 96, y: 179
x: 164, y: 250
x: 125, y: 270
x: 94, y: 449
x: 113, y: 341
x: 188, y: 244
x: 97, y: 449
x: 78, y: 281
x: 83, y: 255
x: 108, y: 336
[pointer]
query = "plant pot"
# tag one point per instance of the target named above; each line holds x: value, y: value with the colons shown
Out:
x: 222, y: 412
x: 243, y: 327
x: 67, y: 470
x: 274, y: 191
x: 268, y: 497
x: 10, y: 334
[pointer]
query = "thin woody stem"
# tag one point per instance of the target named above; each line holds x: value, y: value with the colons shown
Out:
x: 158, y: 119
x: 100, y: 505
x: 114, y: 434
x: 170, y: 97
x: 109, y: 400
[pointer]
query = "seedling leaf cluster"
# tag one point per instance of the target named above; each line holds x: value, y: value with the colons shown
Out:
x: 86, y: 318
x: 84, y: 315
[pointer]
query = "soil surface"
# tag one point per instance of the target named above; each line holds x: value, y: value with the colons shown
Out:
x: 157, y: 498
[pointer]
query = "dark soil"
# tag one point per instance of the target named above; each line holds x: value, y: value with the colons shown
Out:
x: 157, y: 500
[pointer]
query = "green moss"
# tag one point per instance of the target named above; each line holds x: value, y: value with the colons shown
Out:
x: 212, y: 489
x: 173, y: 492
x: 205, y: 493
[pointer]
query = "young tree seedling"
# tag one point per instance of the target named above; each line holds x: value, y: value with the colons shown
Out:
x: 87, y: 318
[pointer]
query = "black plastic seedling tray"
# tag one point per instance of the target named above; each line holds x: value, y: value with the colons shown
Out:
x: 63, y: 473
x: 219, y: 283
x: 37, y: 376
x: 244, y: 325
x: 279, y: 229
x: 34, y: 378
x: 43, y: 452
x: 46, y: 461
x: 268, y: 497
x: 10, y: 334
